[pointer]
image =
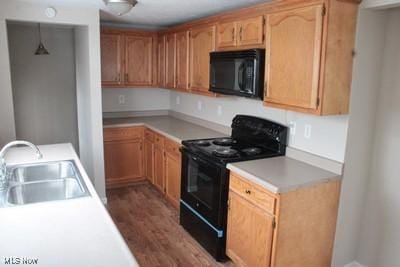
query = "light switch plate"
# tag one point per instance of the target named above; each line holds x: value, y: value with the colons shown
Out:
x: 121, y: 99
x: 307, y: 131
x: 292, y: 127
x: 219, y: 110
x: 199, y: 105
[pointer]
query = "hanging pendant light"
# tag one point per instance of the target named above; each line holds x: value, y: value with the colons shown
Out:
x: 120, y: 7
x: 41, y: 50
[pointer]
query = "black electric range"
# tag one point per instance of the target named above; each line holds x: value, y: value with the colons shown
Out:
x: 205, y: 178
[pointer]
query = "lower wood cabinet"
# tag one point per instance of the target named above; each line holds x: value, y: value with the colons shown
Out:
x: 148, y: 156
x: 172, y: 169
x: 159, y: 179
x: 281, y: 230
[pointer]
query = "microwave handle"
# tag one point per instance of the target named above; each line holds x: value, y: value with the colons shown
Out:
x: 240, y: 75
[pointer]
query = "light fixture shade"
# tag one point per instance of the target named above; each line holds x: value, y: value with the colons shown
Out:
x: 41, y: 50
x: 120, y: 7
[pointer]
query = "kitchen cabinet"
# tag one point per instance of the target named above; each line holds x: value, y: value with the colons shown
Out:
x: 170, y: 66
x: 138, y: 60
x: 148, y: 155
x: 182, y: 60
x: 158, y: 158
x: 111, y: 58
x: 161, y: 61
x: 123, y: 153
x: 172, y: 172
x: 265, y: 228
x: 201, y: 43
x: 246, y: 33
x: 309, y: 58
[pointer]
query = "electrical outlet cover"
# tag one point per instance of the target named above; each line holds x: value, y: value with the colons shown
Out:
x: 199, y: 105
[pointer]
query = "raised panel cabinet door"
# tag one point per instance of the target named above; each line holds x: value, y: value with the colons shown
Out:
x: 182, y: 60
x: 294, y: 41
x: 161, y: 61
x: 173, y: 179
x: 226, y: 34
x: 202, y: 42
x: 111, y: 59
x: 159, y: 181
x: 249, y: 233
x: 123, y: 161
x: 170, y: 49
x: 138, y: 60
x: 148, y: 160
x: 251, y: 31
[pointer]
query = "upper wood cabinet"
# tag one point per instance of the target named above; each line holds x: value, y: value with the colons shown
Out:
x: 161, y: 60
x: 170, y: 66
x: 246, y: 33
x: 182, y: 60
x: 138, y: 62
x: 309, y: 58
x: 202, y: 42
x: 111, y: 58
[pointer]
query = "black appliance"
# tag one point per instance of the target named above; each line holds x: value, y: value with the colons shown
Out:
x: 238, y: 73
x: 205, y: 178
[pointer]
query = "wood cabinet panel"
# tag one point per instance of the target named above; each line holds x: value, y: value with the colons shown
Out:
x: 202, y: 42
x: 249, y: 233
x: 173, y: 178
x: 138, y: 60
x: 161, y: 61
x: 159, y: 178
x: 148, y: 160
x: 123, y: 161
x: 170, y: 66
x: 182, y: 60
x: 294, y: 40
x: 123, y: 133
x: 111, y: 59
x: 251, y: 31
x: 226, y: 34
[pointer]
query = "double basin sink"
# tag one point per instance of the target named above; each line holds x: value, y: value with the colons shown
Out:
x: 42, y: 182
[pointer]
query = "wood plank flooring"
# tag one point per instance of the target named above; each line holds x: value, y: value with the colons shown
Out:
x: 150, y: 226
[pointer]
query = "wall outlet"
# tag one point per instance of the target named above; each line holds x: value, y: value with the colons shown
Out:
x: 199, y: 105
x: 121, y: 99
x: 219, y: 110
x: 292, y: 128
x: 307, y: 131
x: 178, y: 100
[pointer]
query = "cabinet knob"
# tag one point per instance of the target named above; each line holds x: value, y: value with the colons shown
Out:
x: 248, y: 192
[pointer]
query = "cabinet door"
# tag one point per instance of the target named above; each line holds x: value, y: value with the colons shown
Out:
x: 159, y: 181
x: 161, y: 61
x: 170, y: 44
x: 123, y: 161
x: 173, y: 179
x: 226, y: 34
x: 202, y: 42
x: 148, y: 160
x: 249, y: 233
x: 111, y: 59
x: 251, y: 31
x: 182, y: 60
x: 138, y: 60
x: 294, y: 40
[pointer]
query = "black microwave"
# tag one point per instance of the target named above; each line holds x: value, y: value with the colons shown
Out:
x: 238, y: 73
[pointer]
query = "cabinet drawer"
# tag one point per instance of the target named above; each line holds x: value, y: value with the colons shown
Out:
x: 115, y: 134
x: 149, y: 135
x: 252, y: 193
x: 158, y: 140
x: 172, y: 148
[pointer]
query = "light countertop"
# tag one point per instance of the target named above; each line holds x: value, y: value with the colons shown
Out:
x: 175, y: 129
x: 76, y: 232
x: 282, y: 174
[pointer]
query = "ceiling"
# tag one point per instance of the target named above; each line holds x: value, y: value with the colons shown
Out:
x: 158, y: 13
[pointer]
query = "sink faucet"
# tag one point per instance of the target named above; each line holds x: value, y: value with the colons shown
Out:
x: 3, y: 165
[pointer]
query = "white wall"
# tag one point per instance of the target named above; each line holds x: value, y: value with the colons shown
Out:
x: 137, y: 99
x: 44, y: 90
x: 379, y: 242
x: 328, y: 135
x: 366, y: 80
x: 88, y: 86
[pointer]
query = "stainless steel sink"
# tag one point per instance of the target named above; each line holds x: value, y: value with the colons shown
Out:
x: 42, y: 182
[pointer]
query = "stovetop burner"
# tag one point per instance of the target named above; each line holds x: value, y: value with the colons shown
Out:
x: 202, y: 143
x: 225, y: 152
x: 224, y: 142
x: 251, y: 151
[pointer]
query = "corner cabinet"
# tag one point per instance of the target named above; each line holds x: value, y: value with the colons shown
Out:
x: 201, y: 43
x: 182, y: 60
x: 170, y: 64
x: 290, y: 229
x: 309, y: 58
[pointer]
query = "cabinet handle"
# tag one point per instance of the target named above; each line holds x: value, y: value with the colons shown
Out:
x: 126, y: 77
x: 240, y: 33
x: 248, y: 192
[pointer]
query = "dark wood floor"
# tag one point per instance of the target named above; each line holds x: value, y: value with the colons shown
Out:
x: 150, y: 225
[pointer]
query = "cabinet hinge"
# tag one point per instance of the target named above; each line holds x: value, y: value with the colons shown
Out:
x: 318, y: 101
x: 323, y: 11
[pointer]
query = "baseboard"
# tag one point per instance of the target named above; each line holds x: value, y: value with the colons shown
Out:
x: 354, y: 264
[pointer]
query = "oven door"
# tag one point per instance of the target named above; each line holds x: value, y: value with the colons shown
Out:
x: 203, y: 186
